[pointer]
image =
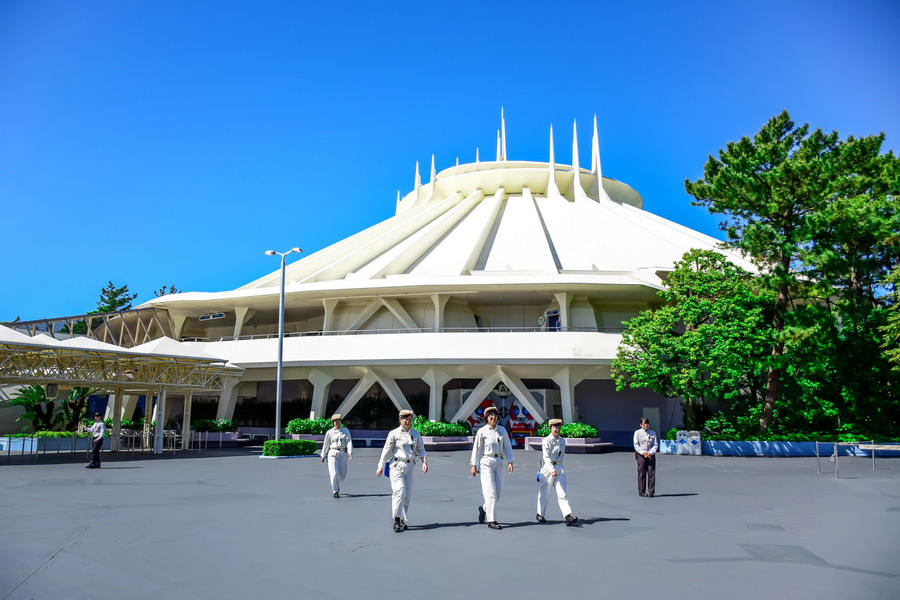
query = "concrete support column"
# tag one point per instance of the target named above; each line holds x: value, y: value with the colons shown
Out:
x: 117, y: 419
x: 567, y: 379
x: 440, y: 302
x: 129, y: 402
x: 242, y: 314
x: 328, y: 324
x: 227, y: 400
x: 565, y: 300
x: 186, y: 422
x: 160, y: 422
x: 149, y: 415
x: 321, y: 385
x: 436, y: 380
x: 177, y: 324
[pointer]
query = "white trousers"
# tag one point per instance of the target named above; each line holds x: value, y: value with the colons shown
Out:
x: 491, y: 483
x: 401, y: 487
x: 337, y: 468
x: 558, y: 483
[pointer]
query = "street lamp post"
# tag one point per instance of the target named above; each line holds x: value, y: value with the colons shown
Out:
x: 283, y: 255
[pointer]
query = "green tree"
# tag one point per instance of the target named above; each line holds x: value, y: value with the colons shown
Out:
x: 163, y: 291
x: 792, y: 199
x: 708, y: 342
x: 891, y: 328
x: 114, y: 298
x: 39, y: 409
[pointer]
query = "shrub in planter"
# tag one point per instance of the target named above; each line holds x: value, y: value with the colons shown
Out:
x: 47, y: 434
x: 570, y: 430
x: 225, y: 426
x: 205, y: 425
x: 308, y: 426
x: 432, y: 428
x: 289, y: 448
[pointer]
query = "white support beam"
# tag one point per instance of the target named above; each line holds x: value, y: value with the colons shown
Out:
x: 372, y: 308
x: 321, y: 384
x: 440, y: 303
x: 481, y: 390
x: 400, y: 313
x: 362, y: 386
x: 227, y: 400
x: 436, y: 380
x: 330, y: 304
x: 517, y: 387
x: 565, y: 301
x: 242, y: 314
x: 393, y: 391
x: 159, y: 430
x: 117, y: 418
x: 186, y: 421
x: 567, y: 379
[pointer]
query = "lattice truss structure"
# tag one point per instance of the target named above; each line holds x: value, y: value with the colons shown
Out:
x: 26, y: 364
x: 126, y: 328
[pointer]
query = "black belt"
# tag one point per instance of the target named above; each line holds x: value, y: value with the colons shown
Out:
x: 406, y: 460
x: 495, y: 455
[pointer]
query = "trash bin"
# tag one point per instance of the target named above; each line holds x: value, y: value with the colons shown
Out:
x: 694, y: 443
x: 682, y: 442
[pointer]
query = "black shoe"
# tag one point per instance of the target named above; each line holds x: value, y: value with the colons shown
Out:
x: 650, y: 495
x: 481, y: 515
x: 570, y: 519
x: 495, y: 525
x: 540, y: 519
x: 88, y: 466
x: 336, y: 495
x: 403, y: 526
x: 397, y: 526
x: 644, y: 495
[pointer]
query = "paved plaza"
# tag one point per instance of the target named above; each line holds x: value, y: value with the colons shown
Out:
x: 226, y: 524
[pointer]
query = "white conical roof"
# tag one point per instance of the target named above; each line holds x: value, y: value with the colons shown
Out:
x: 506, y: 217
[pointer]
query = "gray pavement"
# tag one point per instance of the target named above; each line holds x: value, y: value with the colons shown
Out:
x: 227, y: 524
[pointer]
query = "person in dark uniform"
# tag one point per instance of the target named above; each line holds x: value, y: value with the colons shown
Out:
x: 99, y: 431
x: 646, y: 444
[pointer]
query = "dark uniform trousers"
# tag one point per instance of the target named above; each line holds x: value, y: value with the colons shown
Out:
x: 646, y: 473
x: 95, y: 452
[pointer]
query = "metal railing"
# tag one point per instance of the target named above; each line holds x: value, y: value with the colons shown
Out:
x: 835, y: 455
x: 266, y: 336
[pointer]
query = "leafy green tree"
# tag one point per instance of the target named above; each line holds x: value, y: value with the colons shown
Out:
x: 39, y: 409
x: 891, y: 328
x: 793, y: 202
x: 163, y: 291
x: 114, y: 298
x: 708, y: 342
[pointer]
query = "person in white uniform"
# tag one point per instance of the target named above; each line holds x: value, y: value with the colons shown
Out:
x: 491, y: 448
x: 553, y: 474
x: 338, y: 447
x: 98, y: 431
x: 403, y: 448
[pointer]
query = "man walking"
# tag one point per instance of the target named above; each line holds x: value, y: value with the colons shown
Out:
x: 491, y: 448
x: 646, y: 445
x: 403, y: 448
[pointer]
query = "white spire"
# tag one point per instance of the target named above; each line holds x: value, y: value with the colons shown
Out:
x: 502, y: 135
x: 457, y: 161
x: 577, y: 190
x: 398, y: 200
x: 418, y: 182
x: 433, y: 172
x: 575, y: 164
x: 595, y: 153
x: 499, y: 156
x: 476, y: 155
x: 551, y: 181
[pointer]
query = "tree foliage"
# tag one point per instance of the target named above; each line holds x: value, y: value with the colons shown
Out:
x: 708, y: 342
x: 40, y: 410
x: 114, y: 298
x: 818, y: 216
x: 164, y: 291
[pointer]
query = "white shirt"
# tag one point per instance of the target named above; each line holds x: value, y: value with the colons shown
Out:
x: 405, y: 445
x: 552, y: 451
x: 491, y: 441
x: 335, y: 439
x: 645, y: 441
x: 98, y: 429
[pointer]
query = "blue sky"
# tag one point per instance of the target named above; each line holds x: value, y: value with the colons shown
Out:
x: 173, y: 142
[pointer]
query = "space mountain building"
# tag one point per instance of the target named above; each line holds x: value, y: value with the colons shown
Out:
x: 503, y: 282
